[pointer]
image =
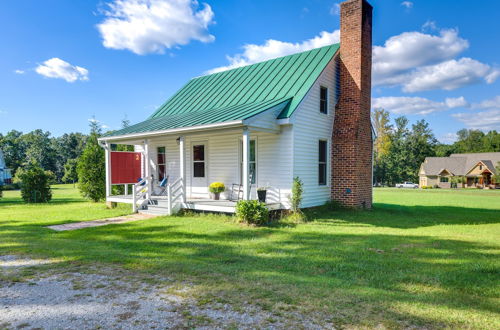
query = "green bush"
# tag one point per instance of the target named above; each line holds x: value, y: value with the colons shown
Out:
x: 253, y: 212
x: 35, y: 184
x: 296, y: 197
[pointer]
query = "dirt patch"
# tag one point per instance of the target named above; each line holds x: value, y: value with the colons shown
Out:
x: 78, y: 297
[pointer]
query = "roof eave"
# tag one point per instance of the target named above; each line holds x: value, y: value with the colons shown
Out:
x: 190, y: 129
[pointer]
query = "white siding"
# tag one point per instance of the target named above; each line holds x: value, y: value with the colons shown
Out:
x: 223, y: 154
x: 310, y: 126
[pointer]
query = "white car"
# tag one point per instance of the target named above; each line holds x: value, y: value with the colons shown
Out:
x: 407, y: 185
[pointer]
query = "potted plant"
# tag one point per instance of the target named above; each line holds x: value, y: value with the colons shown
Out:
x: 261, y: 194
x: 216, y: 188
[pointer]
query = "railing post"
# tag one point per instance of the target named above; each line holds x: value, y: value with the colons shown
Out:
x: 169, y: 200
x: 182, y: 167
x: 134, y: 199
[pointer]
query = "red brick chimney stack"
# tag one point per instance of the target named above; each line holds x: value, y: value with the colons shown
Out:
x: 352, y: 144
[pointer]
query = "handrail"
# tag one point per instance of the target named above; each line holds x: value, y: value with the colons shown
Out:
x: 173, y: 193
x: 139, y: 189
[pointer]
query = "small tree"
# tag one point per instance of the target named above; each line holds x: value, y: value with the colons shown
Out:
x: 91, y: 170
x: 70, y: 172
x: 296, y: 198
x: 496, y: 177
x: 35, y: 183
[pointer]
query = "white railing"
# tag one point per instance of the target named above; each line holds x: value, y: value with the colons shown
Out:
x: 175, y: 195
x: 139, y: 194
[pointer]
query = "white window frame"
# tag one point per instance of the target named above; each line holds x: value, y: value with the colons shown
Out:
x: 325, y: 162
x: 158, y: 163
x: 240, y: 157
x: 326, y: 100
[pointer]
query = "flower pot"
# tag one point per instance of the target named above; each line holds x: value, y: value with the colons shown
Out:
x: 217, y: 196
x: 262, y: 195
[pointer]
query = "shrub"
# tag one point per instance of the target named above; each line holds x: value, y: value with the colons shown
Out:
x: 253, y: 212
x: 35, y: 185
x: 297, y: 190
x: 216, y: 187
x: 91, y: 171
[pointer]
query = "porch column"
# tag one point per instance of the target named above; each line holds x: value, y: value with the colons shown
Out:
x: 107, y: 151
x: 182, y: 166
x: 147, y: 168
x: 246, y: 167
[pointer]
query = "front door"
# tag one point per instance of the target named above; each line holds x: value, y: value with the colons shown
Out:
x: 199, y: 167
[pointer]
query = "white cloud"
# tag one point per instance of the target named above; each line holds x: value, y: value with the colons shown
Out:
x: 151, y: 26
x: 407, y: 4
x: 484, y: 120
x: 493, y: 103
x: 416, y: 105
x: 450, y: 75
x: 429, y: 25
x: 403, y: 53
x: 253, y: 53
x: 335, y: 9
x: 57, y: 68
x: 448, y: 138
x: 19, y: 71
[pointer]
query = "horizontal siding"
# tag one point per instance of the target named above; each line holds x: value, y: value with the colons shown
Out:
x: 223, y: 153
x: 310, y: 126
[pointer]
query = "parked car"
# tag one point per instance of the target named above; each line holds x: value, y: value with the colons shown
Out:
x: 407, y: 185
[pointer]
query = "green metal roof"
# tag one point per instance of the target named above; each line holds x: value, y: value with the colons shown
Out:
x: 240, y: 93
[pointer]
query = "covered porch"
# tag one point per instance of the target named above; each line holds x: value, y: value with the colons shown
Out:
x: 176, y: 168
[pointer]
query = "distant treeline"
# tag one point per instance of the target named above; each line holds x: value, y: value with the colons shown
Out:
x: 400, y: 149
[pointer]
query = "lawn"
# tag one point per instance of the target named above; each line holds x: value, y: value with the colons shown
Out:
x: 420, y: 258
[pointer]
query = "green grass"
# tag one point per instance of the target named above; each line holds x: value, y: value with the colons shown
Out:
x: 423, y: 258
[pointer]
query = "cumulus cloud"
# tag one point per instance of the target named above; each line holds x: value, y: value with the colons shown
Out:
x: 19, y: 71
x: 416, y: 105
x: 407, y: 4
x: 57, y: 68
x: 403, y: 53
x: 450, y: 75
x: 419, y: 62
x: 484, y: 120
x: 488, y: 118
x: 253, y: 53
x: 151, y: 26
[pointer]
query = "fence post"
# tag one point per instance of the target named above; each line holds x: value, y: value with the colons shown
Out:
x: 169, y: 200
x: 134, y: 204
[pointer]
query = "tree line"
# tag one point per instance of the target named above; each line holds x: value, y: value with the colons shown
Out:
x: 400, y: 148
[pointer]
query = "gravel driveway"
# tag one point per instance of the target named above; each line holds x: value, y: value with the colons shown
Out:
x: 37, y: 294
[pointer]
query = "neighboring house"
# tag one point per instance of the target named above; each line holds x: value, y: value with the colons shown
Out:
x: 305, y: 115
x: 5, y: 176
x: 478, y: 170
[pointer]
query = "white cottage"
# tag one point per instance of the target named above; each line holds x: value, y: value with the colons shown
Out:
x: 255, y: 126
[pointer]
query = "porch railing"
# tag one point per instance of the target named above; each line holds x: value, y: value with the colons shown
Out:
x: 139, y: 194
x: 175, y: 195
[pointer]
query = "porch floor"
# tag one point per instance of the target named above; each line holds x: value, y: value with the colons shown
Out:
x: 198, y: 204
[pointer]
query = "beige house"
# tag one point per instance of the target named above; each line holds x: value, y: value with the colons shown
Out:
x: 478, y: 170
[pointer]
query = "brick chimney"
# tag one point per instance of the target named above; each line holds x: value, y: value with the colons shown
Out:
x: 352, y: 144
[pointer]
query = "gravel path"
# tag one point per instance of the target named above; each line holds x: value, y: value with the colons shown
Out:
x: 35, y: 295
x: 101, y: 222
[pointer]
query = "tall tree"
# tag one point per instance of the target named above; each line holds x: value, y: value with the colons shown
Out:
x: 421, y: 143
x: 14, y: 149
x: 91, y: 168
x: 382, y: 144
x: 39, y: 149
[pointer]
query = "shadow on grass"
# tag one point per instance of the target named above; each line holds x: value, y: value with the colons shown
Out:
x: 353, y: 278
x: 399, y: 216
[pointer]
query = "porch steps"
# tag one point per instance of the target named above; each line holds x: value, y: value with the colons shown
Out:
x: 158, y: 208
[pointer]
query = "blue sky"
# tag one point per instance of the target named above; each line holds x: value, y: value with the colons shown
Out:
x: 64, y: 61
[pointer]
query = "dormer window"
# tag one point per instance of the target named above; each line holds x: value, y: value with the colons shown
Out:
x: 323, y: 99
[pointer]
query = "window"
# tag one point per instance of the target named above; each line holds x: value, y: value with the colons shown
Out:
x: 443, y: 179
x: 322, y: 157
x: 161, y: 161
x: 252, y: 162
x: 480, y: 167
x: 323, y: 99
x: 199, y: 161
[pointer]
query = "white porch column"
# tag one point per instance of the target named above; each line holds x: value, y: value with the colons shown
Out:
x: 107, y: 151
x: 147, y: 168
x: 246, y: 167
x: 182, y: 166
